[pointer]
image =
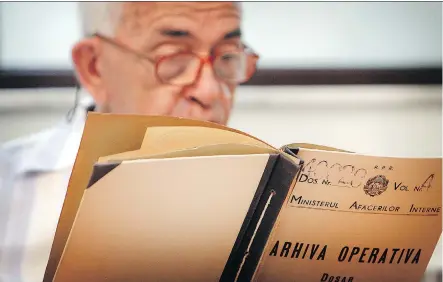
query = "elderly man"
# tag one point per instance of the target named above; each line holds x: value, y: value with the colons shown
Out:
x: 169, y: 58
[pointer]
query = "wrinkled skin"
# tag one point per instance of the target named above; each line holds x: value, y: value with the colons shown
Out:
x: 122, y: 83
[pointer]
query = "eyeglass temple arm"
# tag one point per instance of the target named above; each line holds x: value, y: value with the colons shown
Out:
x: 121, y: 46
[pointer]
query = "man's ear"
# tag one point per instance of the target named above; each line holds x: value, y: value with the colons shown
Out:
x: 85, y: 56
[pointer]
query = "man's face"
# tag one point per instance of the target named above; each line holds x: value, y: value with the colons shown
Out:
x: 127, y: 83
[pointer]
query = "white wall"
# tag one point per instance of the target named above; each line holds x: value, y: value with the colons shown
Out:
x: 298, y: 34
x: 385, y: 120
x: 345, y: 34
x: 37, y: 34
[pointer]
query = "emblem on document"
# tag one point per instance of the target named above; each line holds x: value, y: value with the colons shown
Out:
x: 376, y: 185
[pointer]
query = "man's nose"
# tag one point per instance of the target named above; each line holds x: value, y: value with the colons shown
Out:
x: 206, y: 89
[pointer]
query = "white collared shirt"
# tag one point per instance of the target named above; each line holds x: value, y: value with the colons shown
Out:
x: 34, y: 173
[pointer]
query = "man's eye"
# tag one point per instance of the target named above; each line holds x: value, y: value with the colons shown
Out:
x: 229, y: 57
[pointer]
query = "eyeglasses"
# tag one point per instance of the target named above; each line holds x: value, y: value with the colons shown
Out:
x: 184, y: 68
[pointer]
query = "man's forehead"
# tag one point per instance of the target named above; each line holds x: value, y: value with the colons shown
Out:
x: 196, y: 6
x: 151, y: 11
x: 145, y: 23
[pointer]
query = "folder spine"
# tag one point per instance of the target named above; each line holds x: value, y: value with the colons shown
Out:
x: 280, y: 183
x: 270, y: 196
x: 240, y: 246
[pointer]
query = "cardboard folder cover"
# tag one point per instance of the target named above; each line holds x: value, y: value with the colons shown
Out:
x: 170, y: 199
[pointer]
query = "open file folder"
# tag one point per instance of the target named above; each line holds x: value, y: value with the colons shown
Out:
x: 169, y: 199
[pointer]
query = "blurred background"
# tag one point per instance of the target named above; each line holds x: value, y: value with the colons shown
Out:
x: 362, y: 76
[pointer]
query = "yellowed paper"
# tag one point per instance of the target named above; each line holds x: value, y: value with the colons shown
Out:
x: 314, y: 147
x: 210, y: 150
x: 356, y: 218
x: 160, y: 140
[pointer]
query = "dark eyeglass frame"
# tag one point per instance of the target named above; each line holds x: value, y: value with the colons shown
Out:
x: 203, y: 60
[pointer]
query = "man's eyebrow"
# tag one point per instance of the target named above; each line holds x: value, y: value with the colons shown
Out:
x: 175, y: 33
x: 169, y: 32
x: 233, y: 34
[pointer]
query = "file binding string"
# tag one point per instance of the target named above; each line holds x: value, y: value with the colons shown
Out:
x: 272, y: 194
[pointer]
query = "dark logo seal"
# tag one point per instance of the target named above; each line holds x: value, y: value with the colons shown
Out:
x: 376, y: 185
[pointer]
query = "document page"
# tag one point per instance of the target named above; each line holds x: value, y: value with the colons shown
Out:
x: 356, y: 218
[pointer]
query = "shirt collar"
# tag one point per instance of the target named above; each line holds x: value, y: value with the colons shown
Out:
x: 56, y: 148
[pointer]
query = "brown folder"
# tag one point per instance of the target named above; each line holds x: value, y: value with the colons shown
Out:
x: 170, y: 199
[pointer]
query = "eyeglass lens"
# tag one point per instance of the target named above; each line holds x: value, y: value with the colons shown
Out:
x: 182, y: 69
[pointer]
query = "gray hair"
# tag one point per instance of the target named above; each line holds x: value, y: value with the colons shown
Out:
x: 100, y: 17
x: 103, y: 17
